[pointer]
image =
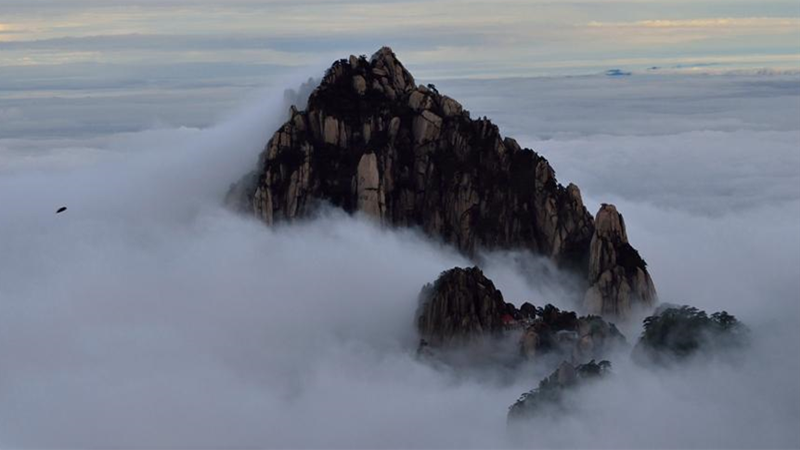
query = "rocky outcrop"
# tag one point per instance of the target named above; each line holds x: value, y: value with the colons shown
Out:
x: 425, y: 163
x: 549, y: 395
x: 618, y: 276
x: 564, y: 334
x: 371, y: 140
x: 462, y: 305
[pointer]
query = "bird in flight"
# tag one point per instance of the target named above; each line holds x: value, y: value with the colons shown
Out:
x: 60, y: 210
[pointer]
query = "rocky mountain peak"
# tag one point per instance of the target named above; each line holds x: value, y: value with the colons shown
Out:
x: 372, y: 141
x: 617, y: 273
x: 610, y: 225
x: 461, y: 305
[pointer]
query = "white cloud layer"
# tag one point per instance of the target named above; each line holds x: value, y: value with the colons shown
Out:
x: 146, y: 316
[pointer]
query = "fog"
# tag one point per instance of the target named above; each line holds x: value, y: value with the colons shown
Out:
x: 148, y: 316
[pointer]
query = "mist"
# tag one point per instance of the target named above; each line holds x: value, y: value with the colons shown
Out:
x: 149, y: 316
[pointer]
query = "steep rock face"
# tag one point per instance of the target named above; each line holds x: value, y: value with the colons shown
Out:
x: 371, y: 140
x: 618, y: 276
x: 460, y: 306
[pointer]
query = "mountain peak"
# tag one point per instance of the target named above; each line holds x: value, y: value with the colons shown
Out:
x: 382, y: 77
x: 373, y: 141
x: 383, y: 53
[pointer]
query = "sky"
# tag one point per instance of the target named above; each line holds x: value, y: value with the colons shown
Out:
x: 70, y: 67
x: 444, y: 38
x: 149, y: 316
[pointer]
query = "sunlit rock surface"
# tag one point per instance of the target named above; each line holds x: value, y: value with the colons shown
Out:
x: 618, y: 275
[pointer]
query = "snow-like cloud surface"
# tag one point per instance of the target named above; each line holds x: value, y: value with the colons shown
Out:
x: 148, y: 316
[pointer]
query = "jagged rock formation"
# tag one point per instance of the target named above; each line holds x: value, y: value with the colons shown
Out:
x: 463, y: 305
x: 563, y: 333
x: 460, y: 306
x: 617, y: 274
x: 675, y: 333
x: 373, y: 141
x: 550, y: 392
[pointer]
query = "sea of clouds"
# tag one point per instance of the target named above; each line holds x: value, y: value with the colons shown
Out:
x: 148, y: 316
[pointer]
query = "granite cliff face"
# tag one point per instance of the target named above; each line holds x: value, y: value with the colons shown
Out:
x: 373, y: 141
x: 618, y: 275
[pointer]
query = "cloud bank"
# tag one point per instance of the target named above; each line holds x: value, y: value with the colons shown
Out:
x: 147, y: 316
